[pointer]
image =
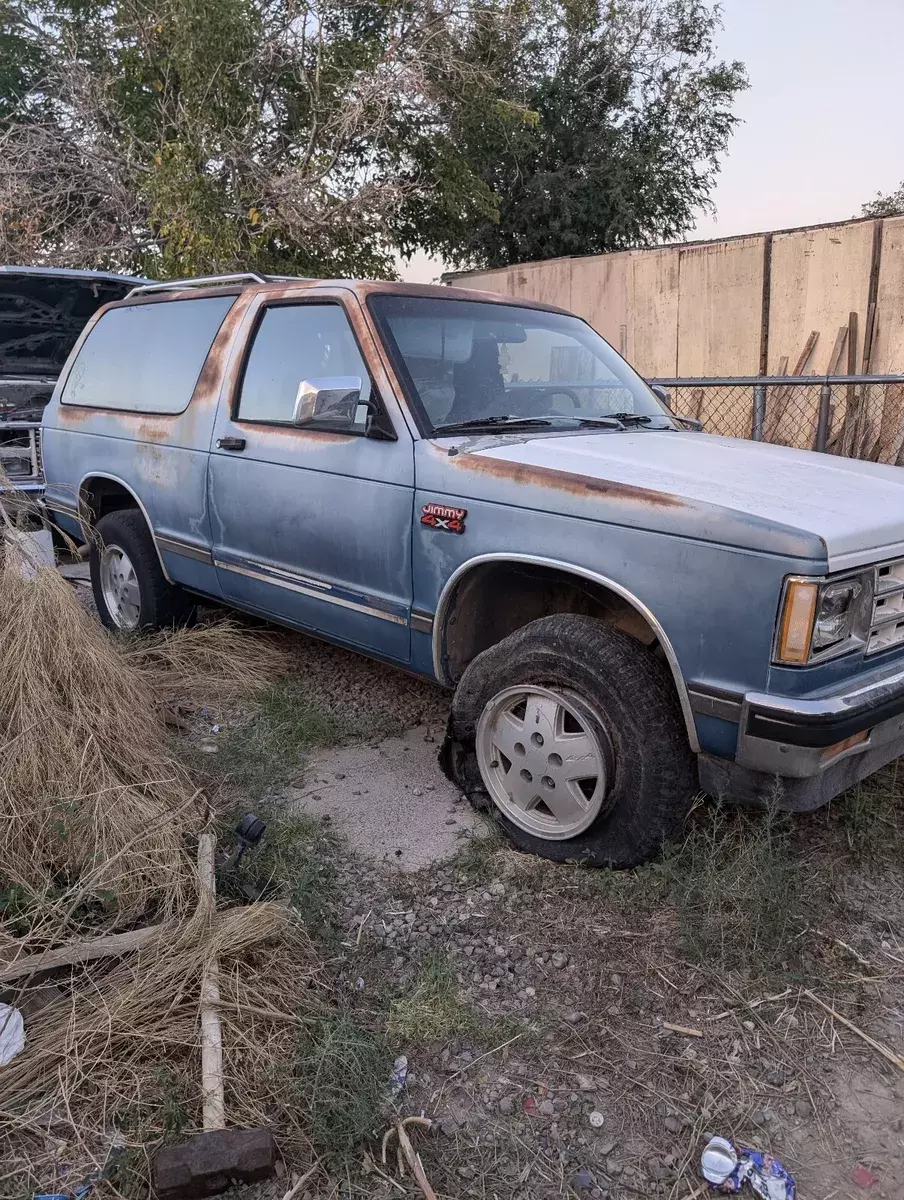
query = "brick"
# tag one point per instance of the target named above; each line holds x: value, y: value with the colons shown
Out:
x: 211, y: 1162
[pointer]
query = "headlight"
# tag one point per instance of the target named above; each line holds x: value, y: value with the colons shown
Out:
x: 821, y: 618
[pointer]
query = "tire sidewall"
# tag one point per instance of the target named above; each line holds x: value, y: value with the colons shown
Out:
x: 642, y: 722
x: 127, y: 530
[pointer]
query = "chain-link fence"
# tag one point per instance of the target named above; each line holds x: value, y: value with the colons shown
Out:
x: 860, y: 416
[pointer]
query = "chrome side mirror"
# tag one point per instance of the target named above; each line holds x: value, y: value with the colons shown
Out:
x: 659, y: 391
x: 332, y: 399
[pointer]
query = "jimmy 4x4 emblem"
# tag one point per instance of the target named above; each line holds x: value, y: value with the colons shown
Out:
x: 441, y: 516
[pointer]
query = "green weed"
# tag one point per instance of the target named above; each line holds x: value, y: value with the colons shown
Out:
x: 739, y: 890
x: 294, y: 859
x: 263, y: 754
x: 432, y: 1010
x: 341, y: 1073
x: 872, y: 814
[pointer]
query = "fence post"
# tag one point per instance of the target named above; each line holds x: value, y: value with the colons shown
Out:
x: 759, y: 412
x: 825, y: 417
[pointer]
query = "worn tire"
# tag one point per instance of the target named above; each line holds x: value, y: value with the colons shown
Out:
x: 161, y: 603
x: 633, y: 696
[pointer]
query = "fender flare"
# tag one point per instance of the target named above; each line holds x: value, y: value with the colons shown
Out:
x: 439, y: 620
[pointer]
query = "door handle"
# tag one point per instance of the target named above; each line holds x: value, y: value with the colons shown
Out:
x: 230, y: 443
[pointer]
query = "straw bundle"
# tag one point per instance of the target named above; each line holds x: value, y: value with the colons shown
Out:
x: 93, y: 1063
x: 89, y: 793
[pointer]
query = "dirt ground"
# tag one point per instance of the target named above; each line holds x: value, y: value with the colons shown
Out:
x: 573, y: 1032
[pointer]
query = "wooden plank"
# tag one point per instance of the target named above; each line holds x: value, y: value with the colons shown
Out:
x: 837, y: 350
x: 891, y: 430
x: 108, y: 946
x: 849, y: 430
x: 778, y: 402
x: 868, y: 430
x: 807, y: 353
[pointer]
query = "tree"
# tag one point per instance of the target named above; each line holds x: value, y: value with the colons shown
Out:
x: 317, y: 137
x: 628, y: 109
x: 891, y: 205
x: 174, y: 137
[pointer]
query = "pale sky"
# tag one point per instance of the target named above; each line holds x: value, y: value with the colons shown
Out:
x: 823, y: 119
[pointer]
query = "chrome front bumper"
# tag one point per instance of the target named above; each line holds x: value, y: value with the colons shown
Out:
x: 800, y: 737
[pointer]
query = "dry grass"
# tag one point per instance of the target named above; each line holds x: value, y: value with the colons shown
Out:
x: 91, y: 1073
x: 94, y: 808
x: 222, y: 660
x: 97, y: 824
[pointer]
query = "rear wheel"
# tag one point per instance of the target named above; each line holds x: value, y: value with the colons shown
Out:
x: 130, y: 589
x: 571, y: 731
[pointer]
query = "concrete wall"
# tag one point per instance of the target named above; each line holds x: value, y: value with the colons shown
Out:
x: 698, y: 309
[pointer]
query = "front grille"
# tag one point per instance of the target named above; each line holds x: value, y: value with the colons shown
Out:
x: 887, y: 623
x: 20, y: 452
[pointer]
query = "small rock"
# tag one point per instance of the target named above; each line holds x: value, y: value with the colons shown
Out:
x: 582, y: 1179
x: 467, y: 1172
x: 673, y: 1124
x: 576, y: 1018
x: 448, y: 1126
x: 506, y: 1106
x: 585, y: 1083
x: 559, y: 960
x: 803, y: 1108
x: 451, y: 821
x: 547, y: 1108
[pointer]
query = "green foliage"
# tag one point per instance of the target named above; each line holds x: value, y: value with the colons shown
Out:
x: 432, y: 1010
x: 740, y: 892
x: 287, y: 724
x: 605, y: 131
x: 891, y: 205
x: 341, y: 1072
x: 314, y: 137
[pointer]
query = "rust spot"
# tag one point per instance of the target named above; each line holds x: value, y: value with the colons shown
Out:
x: 68, y: 415
x: 153, y: 431
x: 564, y: 481
x: 276, y: 433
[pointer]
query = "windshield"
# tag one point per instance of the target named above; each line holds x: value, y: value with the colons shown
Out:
x: 470, y: 363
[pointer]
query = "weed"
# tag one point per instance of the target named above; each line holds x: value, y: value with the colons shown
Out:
x: 871, y: 814
x: 476, y: 857
x: 261, y: 755
x: 341, y: 1071
x: 738, y: 889
x: 432, y: 1010
x: 295, y: 859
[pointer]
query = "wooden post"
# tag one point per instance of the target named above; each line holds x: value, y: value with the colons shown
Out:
x: 212, y: 1091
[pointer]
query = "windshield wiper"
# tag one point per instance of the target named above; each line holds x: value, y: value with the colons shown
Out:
x: 613, y: 422
x: 639, y: 419
x: 510, y: 422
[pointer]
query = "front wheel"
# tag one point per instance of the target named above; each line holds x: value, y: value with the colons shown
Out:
x: 130, y: 590
x: 572, y: 731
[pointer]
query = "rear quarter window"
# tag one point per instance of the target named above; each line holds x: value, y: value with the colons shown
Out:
x: 146, y: 357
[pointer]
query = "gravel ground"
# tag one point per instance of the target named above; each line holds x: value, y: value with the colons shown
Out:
x: 558, y: 1076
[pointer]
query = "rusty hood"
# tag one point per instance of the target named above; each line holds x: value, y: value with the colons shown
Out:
x: 852, y: 510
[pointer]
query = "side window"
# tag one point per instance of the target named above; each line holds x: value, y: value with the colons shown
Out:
x: 296, y: 342
x: 146, y: 357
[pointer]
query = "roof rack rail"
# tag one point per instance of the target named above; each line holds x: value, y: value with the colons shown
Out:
x: 199, y: 281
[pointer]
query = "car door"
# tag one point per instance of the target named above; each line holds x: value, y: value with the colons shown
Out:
x: 311, y: 522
